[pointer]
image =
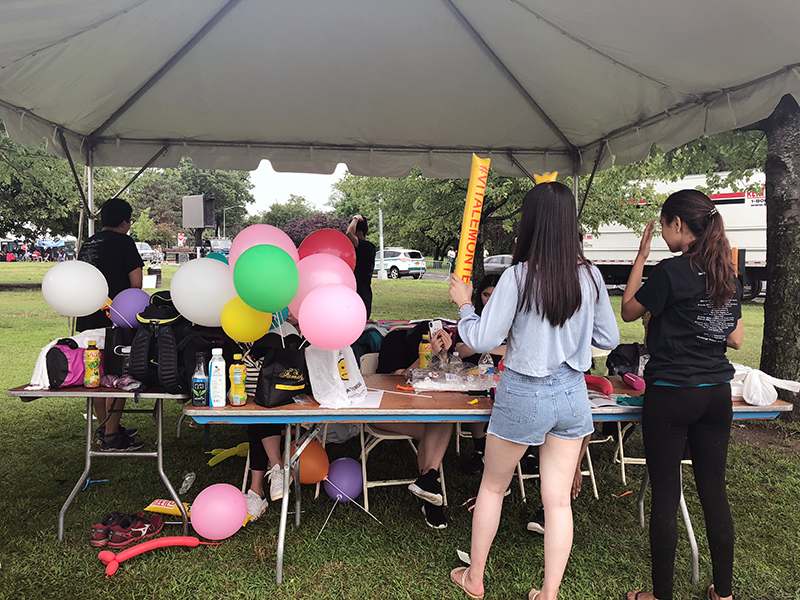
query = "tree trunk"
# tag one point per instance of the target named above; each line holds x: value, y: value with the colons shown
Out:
x: 780, y: 351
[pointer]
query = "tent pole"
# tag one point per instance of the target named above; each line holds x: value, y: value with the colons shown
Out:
x: 576, y: 183
x: 90, y: 193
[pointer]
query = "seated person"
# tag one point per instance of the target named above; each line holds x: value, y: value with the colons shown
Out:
x: 480, y: 297
x: 265, y: 457
x: 400, y: 352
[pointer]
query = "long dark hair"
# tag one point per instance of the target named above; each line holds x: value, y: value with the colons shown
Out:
x: 477, y: 297
x: 549, y: 241
x: 710, y: 251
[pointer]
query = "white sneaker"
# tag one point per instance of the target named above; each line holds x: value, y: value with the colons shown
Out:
x: 275, y: 475
x: 256, y: 505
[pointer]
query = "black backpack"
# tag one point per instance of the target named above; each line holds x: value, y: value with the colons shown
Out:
x: 625, y: 359
x: 154, y: 358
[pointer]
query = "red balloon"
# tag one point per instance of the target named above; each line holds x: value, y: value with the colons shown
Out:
x: 112, y: 561
x: 329, y: 241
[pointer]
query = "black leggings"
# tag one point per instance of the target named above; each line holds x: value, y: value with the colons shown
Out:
x: 255, y: 433
x: 701, y: 416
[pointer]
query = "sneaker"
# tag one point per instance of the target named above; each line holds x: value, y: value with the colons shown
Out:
x: 119, y: 443
x: 434, y: 516
x: 101, y: 432
x: 275, y: 475
x: 256, y: 505
x: 134, y: 528
x: 101, y: 530
x: 537, y: 525
x: 530, y: 464
x: 475, y: 463
x: 428, y: 488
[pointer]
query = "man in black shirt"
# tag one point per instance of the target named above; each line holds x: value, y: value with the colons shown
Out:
x: 365, y: 259
x: 114, y: 253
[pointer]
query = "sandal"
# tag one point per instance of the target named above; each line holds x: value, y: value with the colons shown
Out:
x: 534, y: 594
x: 636, y: 593
x: 462, y: 586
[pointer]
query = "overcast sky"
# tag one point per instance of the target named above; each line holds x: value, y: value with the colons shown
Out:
x: 271, y: 187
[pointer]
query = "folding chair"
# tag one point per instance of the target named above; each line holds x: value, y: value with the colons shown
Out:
x: 371, y: 436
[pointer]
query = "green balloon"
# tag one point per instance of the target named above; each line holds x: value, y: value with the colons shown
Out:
x: 266, y: 278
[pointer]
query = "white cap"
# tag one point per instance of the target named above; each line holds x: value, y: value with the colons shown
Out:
x: 216, y: 351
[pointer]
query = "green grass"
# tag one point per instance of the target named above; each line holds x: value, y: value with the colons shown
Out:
x: 41, y: 450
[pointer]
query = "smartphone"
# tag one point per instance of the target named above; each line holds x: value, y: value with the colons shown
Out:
x: 434, y: 327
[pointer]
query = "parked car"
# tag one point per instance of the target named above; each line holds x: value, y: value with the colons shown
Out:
x: 496, y: 264
x: 400, y: 262
x: 221, y: 245
x: 145, y: 251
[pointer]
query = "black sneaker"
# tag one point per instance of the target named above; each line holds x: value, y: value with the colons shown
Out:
x: 428, y: 488
x: 101, y: 433
x: 119, y: 443
x: 434, y: 516
x: 530, y: 464
x: 475, y: 463
x: 537, y: 524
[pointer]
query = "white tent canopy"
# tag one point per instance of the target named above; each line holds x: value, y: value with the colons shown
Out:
x: 384, y: 85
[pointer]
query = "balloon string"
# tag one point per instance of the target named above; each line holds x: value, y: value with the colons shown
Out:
x: 328, y: 519
x: 352, y: 500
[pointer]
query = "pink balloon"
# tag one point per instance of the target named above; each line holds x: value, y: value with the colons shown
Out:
x: 218, y: 511
x: 332, y: 317
x: 260, y: 234
x: 316, y: 270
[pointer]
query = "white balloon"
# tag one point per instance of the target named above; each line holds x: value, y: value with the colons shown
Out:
x: 75, y: 288
x: 200, y: 289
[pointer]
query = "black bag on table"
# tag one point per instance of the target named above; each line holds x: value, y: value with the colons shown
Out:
x: 283, y: 373
x: 625, y: 358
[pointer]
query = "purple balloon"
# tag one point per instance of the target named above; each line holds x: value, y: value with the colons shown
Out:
x: 344, y: 474
x: 127, y: 304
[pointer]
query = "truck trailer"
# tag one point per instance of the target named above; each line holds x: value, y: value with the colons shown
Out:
x: 614, y: 248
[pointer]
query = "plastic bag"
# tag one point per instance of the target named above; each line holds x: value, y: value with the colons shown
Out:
x: 758, y: 388
x: 335, y: 378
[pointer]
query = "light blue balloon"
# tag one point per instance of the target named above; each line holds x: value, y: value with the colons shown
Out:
x: 279, y: 318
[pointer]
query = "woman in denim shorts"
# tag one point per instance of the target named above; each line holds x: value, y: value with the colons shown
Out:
x: 552, y: 306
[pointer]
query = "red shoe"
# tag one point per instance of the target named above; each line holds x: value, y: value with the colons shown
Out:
x: 134, y: 528
x: 101, y: 530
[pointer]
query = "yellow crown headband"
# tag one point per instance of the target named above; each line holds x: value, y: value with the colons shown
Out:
x: 545, y: 177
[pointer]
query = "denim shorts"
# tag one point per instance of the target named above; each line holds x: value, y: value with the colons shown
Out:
x: 527, y: 408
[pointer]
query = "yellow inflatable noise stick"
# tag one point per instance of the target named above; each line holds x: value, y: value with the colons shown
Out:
x: 168, y: 507
x: 545, y: 177
x: 471, y: 222
x: 221, y: 454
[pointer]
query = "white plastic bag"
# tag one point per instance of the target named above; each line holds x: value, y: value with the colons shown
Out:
x: 335, y: 378
x: 758, y: 388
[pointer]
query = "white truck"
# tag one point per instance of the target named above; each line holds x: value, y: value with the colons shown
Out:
x: 614, y: 248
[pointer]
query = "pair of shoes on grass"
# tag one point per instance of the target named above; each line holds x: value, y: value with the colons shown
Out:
x: 537, y: 524
x: 428, y: 488
x: 117, y: 530
x: 119, y: 442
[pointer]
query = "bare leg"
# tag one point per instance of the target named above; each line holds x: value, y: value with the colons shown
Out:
x: 102, y: 408
x: 501, y: 459
x: 433, y: 440
x: 557, y: 458
x: 578, y: 479
x: 478, y: 430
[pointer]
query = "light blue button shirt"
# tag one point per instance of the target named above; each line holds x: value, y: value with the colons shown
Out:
x: 534, y: 346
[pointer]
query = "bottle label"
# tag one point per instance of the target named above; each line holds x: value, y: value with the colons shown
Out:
x: 199, y: 389
x: 91, y: 361
x: 216, y: 383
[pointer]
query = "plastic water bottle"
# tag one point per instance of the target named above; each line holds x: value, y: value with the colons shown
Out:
x: 486, y: 364
x: 238, y: 375
x: 216, y: 379
x: 200, y: 381
x: 91, y: 365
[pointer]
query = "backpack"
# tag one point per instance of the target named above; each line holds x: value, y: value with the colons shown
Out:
x: 627, y: 358
x: 64, y: 363
x: 154, y: 358
x: 283, y: 374
x: 200, y: 339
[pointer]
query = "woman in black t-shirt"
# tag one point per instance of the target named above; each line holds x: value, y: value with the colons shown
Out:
x: 695, y: 305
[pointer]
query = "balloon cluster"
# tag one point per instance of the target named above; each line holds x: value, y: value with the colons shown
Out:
x: 263, y: 277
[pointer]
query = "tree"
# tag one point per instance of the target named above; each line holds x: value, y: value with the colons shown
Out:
x: 143, y: 228
x: 299, y: 229
x: 279, y: 214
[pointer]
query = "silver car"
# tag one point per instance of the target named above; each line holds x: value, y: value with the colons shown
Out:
x: 496, y: 264
x: 145, y: 251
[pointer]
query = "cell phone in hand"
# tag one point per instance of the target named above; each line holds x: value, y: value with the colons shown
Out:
x: 434, y: 327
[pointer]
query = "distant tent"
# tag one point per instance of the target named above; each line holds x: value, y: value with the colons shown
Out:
x: 49, y: 243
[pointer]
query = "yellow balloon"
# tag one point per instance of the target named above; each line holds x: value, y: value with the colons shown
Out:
x: 243, y: 323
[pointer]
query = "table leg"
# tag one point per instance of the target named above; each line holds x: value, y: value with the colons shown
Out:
x: 296, y: 471
x: 159, y: 414
x: 87, y: 465
x: 642, y: 491
x: 687, y: 522
x: 287, y: 459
